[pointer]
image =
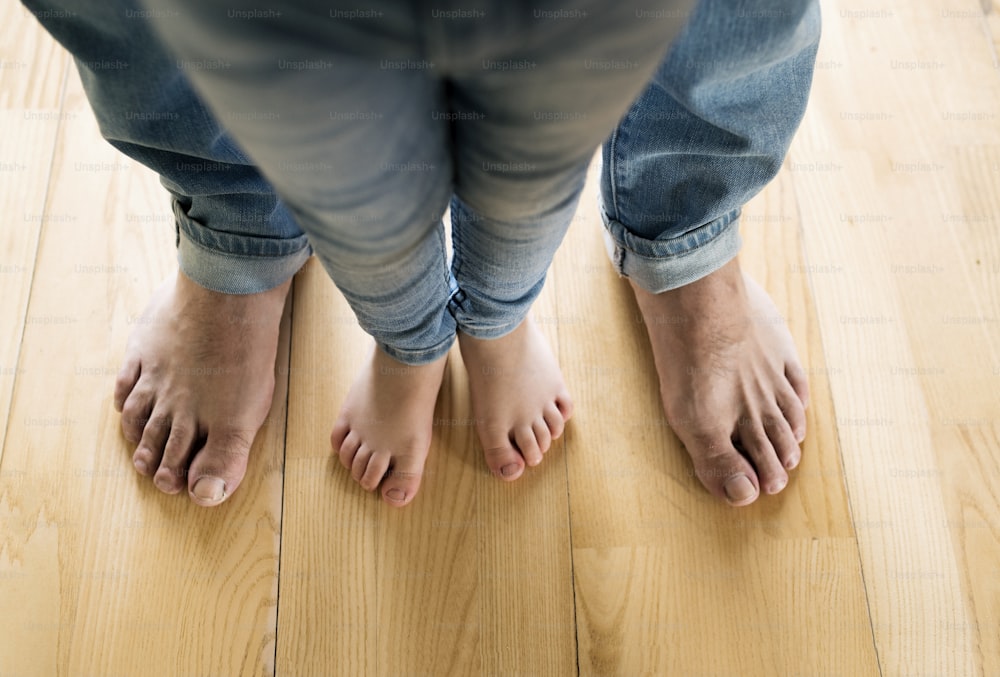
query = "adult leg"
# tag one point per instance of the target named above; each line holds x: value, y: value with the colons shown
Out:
x: 198, y: 374
x: 705, y: 136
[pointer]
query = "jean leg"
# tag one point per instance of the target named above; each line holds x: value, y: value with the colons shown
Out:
x: 339, y: 114
x: 419, y: 70
x: 529, y: 114
x: 234, y: 234
x: 707, y: 134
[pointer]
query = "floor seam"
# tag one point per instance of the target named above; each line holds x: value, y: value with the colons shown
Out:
x: 284, y: 465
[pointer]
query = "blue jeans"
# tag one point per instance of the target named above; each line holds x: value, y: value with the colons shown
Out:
x: 708, y: 133
x: 502, y: 133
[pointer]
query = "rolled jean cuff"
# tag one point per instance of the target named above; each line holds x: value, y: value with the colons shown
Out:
x: 661, y: 265
x: 236, y: 264
x: 418, y: 357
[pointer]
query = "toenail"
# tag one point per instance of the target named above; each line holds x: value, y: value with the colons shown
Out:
x: 800, y: 435
x: 395, y: 495
x: 209, y: 489
x: 141, y: 466
x: 510, y: 469
x: 792, y: 461
x: 739, y: 488
x: 778, y: 485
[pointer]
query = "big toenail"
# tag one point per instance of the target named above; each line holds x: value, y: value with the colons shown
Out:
x: 509, y: 470
x: 141, y: 466
x: 739, y: 488
x: 209, y: 489
x: 395, y: 495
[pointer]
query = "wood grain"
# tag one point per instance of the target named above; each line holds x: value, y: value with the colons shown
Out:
x: 891, y: 211
x: 668, y: 580
x: 101, y: 573
x: 880, y: 244
x: 463, y: 581
x: 32, y: 76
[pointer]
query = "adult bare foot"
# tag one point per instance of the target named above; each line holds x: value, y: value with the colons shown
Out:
x: 384, y: 429
x: 196, y: 385
x: 519, y: 400
x: 730, y: 379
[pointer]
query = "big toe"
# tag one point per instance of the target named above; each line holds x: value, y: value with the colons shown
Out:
x: 218, y: 468
x: 724, y: 472
x: 503, y: 460
x: 402, y: 481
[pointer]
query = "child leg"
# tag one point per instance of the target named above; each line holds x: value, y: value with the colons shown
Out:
x: 525, y: 133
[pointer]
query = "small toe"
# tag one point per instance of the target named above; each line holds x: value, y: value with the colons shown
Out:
x: 169, y: 478
x: 794, y: 413
x: 542, y: 435
x: 524, y: 438
x: 125, y: 381
x: 402, y: 481
x: 218, y: 468
x: 784, y: 442
x: 377, y: 467
x: 797, y: 378
x: 360, y: 463
x: 348, y: 449
x: 554, y: 420
x: 758, y: 447
x: 340, y: 433
x: 564, y: 403
x: 786, y: 431
x: 149, y: 451
x: 136, y: 412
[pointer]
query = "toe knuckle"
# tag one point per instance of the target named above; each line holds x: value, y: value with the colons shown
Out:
x: 236, y: 442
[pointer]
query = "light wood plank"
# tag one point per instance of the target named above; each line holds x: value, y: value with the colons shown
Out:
x: 462, y: 581
x: 32, y: 76
x: 327, y: 618
x: 669, y: 581
x: 991, y: 9
x: 886, y: 217
x: 895, y: 173
x: 104, y: 574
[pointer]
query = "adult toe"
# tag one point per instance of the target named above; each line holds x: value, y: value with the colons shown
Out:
x: 793, y: 412
x: 722, y: 469
x: 169, y: 477
x: 136, y: 412
x: 797, y: 378
x: 149, y: 451
x: 127, y: 377
x: 219, y: 467
x: 757, y: 444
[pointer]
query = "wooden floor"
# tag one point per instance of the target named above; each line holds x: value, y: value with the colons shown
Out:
x: 880, y: 241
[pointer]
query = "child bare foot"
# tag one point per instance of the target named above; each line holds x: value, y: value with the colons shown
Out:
x: 731, y: 383
x: 196, y: 385
x: 519, y: 400
x: 384, y: 429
